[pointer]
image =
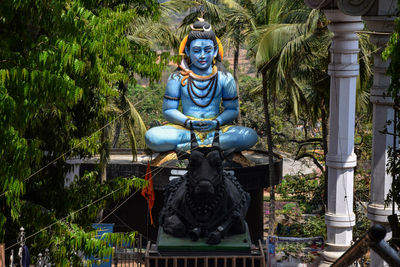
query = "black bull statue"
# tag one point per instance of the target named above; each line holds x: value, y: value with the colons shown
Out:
x: 206, y: 202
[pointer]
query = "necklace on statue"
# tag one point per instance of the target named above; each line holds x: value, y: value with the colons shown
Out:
x: 211, y: 86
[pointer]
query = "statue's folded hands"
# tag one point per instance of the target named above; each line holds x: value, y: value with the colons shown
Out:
x: 205, y: 125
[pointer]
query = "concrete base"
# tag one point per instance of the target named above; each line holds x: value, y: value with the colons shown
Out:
x: 240, y: 243
x: 331, y: 254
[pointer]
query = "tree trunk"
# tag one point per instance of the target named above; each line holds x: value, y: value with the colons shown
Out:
x: 270, y: 155
x: 116, y: 134
x: 122, y: 104
x: 104, y: 155
x: 235, y: 76
x: 305, y: 128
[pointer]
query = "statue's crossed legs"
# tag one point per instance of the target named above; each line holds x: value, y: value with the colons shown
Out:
x: 175, y: 137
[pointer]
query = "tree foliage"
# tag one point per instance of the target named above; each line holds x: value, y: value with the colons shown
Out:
x: 295, y: 55
x: 60, y: 62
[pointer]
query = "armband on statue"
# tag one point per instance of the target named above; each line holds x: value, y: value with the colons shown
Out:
x: 171, y: 98
x: 229, y: 98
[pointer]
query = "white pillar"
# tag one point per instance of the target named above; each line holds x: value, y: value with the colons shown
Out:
x: 382, y: 112
x: 341, y: 159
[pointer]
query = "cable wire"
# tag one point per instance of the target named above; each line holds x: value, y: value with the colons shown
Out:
x: 77, y: 145
x: 70, y: 150
x: 157, y: 170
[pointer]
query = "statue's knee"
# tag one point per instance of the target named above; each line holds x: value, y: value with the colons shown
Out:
x: 252, y: 137
x: 248, y: 138
x: 151, y: 137
x: 155, y: 140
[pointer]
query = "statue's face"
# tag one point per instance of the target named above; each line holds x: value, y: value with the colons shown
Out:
x: 201, y: 53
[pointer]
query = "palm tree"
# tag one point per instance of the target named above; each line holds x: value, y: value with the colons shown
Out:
x: 245, y: 19
x: 293, y: 56
x: 129, y: 119
x: 271, y: 11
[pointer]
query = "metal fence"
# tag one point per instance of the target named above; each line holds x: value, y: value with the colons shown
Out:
x: 130, y: 256
x: 136, y: 255
x: 204, y: 261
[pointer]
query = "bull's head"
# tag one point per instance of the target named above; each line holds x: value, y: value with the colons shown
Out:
x: 205, y: 167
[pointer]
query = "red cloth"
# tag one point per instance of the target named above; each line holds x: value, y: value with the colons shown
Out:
x: 148, y: 191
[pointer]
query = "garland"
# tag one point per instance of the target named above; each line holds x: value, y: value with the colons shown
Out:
x: 210, y: 86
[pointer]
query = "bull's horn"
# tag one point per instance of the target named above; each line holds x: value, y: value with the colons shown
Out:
x: 216, y: 135
x: 193, y: 139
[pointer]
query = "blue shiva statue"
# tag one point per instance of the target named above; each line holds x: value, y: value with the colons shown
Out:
x: 200, y: 83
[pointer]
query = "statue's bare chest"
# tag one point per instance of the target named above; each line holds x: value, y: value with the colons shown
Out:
x: 201, y: 93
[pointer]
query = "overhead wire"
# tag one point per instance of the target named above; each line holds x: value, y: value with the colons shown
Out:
x: 118, y: 206
x: 84, y: 140
x: 66, y: 217
x: 81, y: 142
x: 70, y: 150
x: 80, y: 209
x: 158, y: 169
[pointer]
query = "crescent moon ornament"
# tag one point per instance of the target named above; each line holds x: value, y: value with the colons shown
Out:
x: 207, y: 30
x: 182, y: 46
x: 220, y: 48
x: 184, y: 41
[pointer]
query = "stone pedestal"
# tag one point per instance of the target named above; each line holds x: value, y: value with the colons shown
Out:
x: 239, y: 243
x: 382, y: 112
x: 341, y: 159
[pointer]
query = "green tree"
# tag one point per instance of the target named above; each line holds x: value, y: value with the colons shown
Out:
x: 295, y: 55
x: 273, y: 10
x: 60, y: 64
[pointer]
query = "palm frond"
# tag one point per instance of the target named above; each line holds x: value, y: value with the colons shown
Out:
x: 295, y: 16
x: 212, y: 12
x: 273, y: 40
x: 136, y: 127
x: 132, y: 139
x: 150, y: 33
